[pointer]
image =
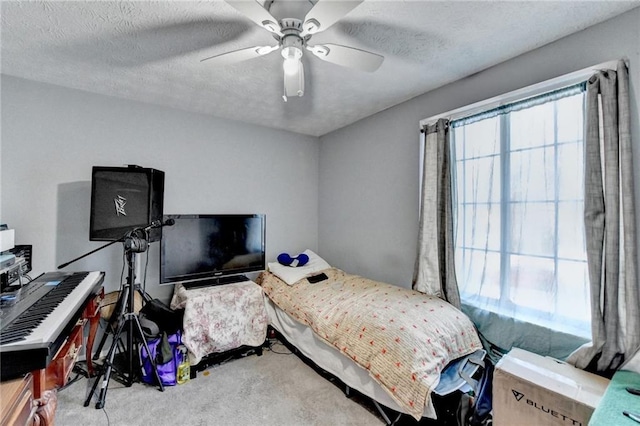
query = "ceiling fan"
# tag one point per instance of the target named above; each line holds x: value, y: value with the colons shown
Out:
x: 293, y: 36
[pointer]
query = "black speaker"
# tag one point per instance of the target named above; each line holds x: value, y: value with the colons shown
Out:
x: 125, y: 198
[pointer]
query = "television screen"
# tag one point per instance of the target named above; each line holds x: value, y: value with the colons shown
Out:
x: 198, y: 248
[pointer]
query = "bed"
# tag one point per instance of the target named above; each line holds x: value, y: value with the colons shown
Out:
x: 387, y: 342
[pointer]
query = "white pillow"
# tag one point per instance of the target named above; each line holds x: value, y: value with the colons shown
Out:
x: 291, y: 275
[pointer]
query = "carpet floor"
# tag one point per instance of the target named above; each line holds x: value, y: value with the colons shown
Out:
x: 277, y: 388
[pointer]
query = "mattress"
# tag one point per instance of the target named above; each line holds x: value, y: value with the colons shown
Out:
x: 399, y: 339
x: 330, y: 359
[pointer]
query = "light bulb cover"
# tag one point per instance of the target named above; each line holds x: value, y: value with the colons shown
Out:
x: 290, y: 66
x: 294, y: 83
x: 291, y: 52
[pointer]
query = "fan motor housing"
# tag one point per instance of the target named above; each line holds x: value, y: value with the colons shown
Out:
x: 292, y: 40
x: 292, y: 24
x: 291, y: 29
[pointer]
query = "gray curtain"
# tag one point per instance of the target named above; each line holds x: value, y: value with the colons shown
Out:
x: 435, y: 265
x: 610, y: 229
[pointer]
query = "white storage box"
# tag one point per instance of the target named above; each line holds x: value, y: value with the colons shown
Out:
x: 7, y: 239
x: 530, y: 389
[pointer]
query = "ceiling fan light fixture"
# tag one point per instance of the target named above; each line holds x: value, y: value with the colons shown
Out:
x: 290, y: 66
x: 291, y: 55
x: 293, y: 36
x: 291, y: 52
x: 294, y: 82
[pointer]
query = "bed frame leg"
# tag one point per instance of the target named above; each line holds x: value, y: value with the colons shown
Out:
x: 384, y: 415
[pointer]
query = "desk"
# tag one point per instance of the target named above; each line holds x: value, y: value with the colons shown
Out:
x: 220, y: 318
x: 16, y: 405
x: 616, y: 399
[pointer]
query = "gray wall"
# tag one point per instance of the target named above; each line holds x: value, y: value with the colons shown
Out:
x: 52, y: 136
x: 368, y: 205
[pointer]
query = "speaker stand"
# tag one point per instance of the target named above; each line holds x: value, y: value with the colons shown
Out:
x: 128, y: 323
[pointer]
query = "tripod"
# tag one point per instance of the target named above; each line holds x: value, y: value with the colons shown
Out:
x: 127, y: 322
x: 112, y: 322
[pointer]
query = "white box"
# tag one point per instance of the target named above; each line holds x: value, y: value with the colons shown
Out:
x: 7, y: 239
x: 530, y: 389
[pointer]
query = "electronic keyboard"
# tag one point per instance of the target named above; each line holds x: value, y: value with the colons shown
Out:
x: 36, y: 319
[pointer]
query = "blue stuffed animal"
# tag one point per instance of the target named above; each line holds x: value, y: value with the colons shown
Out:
x: 299, y: 260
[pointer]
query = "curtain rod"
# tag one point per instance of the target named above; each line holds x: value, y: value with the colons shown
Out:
x: 541, y: 98
x: 528, y: 91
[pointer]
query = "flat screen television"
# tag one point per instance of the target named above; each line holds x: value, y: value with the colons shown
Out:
x: 202, y: 248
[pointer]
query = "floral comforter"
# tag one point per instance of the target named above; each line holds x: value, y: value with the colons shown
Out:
x: 221, y: 318
x: 403, y: 338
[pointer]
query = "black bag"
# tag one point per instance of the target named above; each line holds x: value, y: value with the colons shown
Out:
x: 168, y: 320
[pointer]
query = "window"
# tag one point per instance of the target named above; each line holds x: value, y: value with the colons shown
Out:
x: 519, y: 188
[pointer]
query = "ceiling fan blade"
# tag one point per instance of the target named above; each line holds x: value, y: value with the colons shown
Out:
x: 347, y: 56
x: 326, y: 13
x: 258, y: 14
x: 240, y: 55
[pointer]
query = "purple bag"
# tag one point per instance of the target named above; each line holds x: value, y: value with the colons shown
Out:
x: 168, y: 371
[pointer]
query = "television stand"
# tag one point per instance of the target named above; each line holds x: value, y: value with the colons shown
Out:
x: 231, y: 279
x: 221, y: 318
x: 217, y: 358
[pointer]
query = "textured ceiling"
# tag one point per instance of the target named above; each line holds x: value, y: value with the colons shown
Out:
x: 151, y: 51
